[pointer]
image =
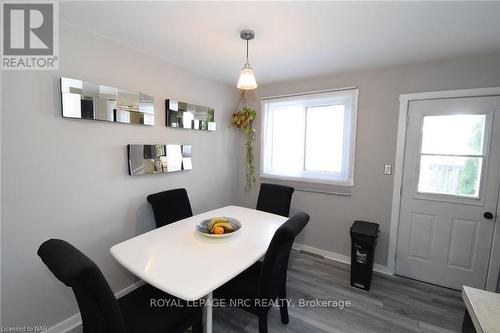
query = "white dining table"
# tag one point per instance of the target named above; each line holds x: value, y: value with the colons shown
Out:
x: 180, y: 261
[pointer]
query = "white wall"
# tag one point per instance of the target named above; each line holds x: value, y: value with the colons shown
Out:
x: 68, y: 179
x: 379, y: 90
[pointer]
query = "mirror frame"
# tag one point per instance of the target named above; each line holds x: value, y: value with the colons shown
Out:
x: 105, y: 103
x: 173, y: 107
x: 144, y: 159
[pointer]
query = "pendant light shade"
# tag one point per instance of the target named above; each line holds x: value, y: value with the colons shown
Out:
x: 247, y: 79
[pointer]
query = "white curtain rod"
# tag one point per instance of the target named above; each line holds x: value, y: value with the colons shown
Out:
x: 308, y: 93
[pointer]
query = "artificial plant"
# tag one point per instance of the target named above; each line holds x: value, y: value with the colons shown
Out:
x: 243, y: 119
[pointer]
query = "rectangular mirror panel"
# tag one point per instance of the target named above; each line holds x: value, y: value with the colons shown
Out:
x: 190, y: 116
x: 150, y: 159
x: 85, y: 100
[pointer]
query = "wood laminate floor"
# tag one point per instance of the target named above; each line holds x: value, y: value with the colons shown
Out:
x: 393, y: 304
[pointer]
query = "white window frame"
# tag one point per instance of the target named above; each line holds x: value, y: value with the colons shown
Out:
x: 308, y: 100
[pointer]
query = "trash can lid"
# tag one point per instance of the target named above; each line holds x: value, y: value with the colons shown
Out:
x: 365, y: 228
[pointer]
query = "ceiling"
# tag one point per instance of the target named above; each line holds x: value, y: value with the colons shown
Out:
x: 293, y: 39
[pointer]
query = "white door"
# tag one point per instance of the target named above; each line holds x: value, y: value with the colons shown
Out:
x: 450, y: 190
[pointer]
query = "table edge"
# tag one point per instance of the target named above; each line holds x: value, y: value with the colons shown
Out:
x: 470, y: 310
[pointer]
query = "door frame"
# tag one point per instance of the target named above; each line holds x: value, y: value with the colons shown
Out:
x: 404, y: 102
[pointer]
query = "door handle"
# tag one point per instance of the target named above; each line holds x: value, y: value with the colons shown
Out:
x: 488, y: 215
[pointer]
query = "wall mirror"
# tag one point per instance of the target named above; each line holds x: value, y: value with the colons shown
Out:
x: 150, y: 159
x: 191, y: 116
x: 85, y: 100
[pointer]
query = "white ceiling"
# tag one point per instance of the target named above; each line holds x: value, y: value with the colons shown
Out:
x: 293, y: 39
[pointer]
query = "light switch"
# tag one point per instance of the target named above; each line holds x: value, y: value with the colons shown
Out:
x: 387, y: 169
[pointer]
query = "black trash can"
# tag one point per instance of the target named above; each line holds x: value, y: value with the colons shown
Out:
x: 363, y: 239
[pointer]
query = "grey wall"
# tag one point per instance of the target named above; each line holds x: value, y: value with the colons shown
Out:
x: 68, y: 178
x: 378, y: 108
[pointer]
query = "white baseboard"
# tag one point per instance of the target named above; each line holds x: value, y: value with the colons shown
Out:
x: 76, y: 320
x: 66, y: 325
x: 338, y: 257
x: 130, y: 288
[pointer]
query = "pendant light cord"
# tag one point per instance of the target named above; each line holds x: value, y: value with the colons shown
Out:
x: 242, y: 97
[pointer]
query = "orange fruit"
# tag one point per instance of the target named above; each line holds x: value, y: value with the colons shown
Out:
x: 218, y: 230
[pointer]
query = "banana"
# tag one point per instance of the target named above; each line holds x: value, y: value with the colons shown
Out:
x: 215, y: 220
x: 227, y: 226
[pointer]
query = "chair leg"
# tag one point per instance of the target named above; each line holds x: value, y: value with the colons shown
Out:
x: 263, y: 323
x: 284, y: 307
x: 284, y: 313
x: 198, y: 327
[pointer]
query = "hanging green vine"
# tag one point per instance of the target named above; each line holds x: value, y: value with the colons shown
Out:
x: 243, y: 119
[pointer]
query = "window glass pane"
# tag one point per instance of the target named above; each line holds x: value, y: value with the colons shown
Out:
x: 324, y: 138
x: 450, y: 175
x: 310, y: 138
x: 453, y: 134
x: 287, y: 149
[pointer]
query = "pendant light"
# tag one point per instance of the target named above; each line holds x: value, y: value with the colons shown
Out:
x: 247, y: 79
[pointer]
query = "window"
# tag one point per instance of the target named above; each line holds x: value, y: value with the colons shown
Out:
x: 310, y: 138
x: 452, y: 154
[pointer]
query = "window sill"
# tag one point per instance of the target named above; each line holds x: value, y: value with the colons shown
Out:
x: 310, y: 186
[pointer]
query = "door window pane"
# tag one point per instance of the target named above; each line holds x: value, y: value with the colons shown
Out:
x: 461, y: 134
x: 324, y: 138
x: 450, y: 175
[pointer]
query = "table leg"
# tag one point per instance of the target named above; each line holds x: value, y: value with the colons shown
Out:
x: 207, y: 314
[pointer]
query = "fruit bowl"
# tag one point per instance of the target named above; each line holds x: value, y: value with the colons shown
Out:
x: 219, y: 227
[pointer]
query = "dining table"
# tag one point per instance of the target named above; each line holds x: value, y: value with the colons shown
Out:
x: 183, y: 262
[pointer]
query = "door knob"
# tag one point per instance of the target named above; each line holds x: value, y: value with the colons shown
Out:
x: 488, y: 215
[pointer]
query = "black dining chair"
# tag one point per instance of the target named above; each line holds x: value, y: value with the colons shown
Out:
x: 100, y: 310
x: 170, y: 206
x: 275, y: 199
x: 266, y: 281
